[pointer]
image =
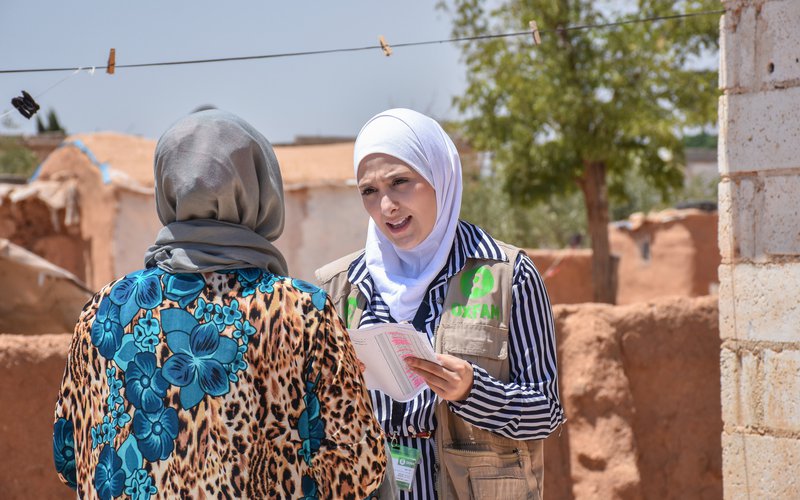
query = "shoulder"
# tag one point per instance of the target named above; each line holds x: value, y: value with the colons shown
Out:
x: 480, y: 244
x: 515, y: 259
x: 338, y: 268
x: 306, y: 291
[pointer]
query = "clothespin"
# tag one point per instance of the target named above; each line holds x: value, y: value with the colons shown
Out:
x: 387, y: 50
x: 112, y: 61
x: 25, y: 105
x: 535, y: 32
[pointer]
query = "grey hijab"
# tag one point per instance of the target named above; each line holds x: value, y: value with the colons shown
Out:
x: 219, y: 195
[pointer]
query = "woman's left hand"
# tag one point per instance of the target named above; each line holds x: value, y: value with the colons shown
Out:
x: 451, y: 380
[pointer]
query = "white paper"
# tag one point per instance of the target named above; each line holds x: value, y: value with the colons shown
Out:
x: 383, y: 349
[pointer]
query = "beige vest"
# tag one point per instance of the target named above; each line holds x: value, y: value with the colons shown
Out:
x: 473, y: 463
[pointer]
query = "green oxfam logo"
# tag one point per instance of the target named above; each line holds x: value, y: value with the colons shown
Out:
x: 352, y: 305
x: 477, y: 283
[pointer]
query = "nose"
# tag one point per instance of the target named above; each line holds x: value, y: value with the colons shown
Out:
x: 388, y: 205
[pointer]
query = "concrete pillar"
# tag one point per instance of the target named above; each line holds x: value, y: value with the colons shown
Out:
x: 759, y: 239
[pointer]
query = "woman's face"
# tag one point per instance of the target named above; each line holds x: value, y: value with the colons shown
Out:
x: 399, y: 200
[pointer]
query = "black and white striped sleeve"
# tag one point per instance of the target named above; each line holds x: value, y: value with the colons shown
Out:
x: 528, y: 407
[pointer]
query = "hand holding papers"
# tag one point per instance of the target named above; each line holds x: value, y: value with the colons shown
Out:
x: 383, y: 349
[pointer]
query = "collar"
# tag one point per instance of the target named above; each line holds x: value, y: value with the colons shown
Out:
x: 471, y: 242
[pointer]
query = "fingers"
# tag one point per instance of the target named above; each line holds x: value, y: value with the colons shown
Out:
x: 452, y: 380
x: 451, y: 362
x: 424, y: 365
x: 439, y: 379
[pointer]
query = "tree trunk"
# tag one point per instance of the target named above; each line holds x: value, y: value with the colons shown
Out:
x: 595, y: 195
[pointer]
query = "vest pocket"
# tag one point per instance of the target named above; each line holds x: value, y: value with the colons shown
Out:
x: 483, y: 345
x: 489, y: 475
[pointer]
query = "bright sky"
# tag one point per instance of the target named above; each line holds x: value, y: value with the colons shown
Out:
x: 312, y: 95
x: 330, y: 94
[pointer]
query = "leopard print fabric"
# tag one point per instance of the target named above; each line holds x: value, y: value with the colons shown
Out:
x: 235, y: 384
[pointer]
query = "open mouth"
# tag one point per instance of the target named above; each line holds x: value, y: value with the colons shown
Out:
x: 399, y: 225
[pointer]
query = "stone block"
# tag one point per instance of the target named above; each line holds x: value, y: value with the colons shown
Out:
x: 727, y: 326
x: 737, y: 210
x: 765, y: 304
x: 741, y: 386
x: 759, y: 131
x: 781, y: 385
x: 754, y: 46
x: 737, y: 49
x: 779, y: 222
x: 755, y: 466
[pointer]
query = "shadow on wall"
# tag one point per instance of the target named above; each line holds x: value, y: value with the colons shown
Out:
x: 640, y: 385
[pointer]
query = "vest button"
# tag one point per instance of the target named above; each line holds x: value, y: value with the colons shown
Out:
x: 440, y: 300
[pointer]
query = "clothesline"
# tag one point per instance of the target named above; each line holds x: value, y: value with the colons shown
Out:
x: 368, y: 47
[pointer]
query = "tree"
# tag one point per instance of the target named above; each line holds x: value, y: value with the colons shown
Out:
x: 588, y: 108
x: 16, y: 159
x: 53, y: 125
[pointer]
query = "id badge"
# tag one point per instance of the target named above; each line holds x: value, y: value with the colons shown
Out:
x: 405, y: 461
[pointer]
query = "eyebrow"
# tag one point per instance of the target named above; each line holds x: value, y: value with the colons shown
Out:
x: 392, y: 174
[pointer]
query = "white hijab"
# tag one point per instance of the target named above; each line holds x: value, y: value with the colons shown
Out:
x: 402, y: 276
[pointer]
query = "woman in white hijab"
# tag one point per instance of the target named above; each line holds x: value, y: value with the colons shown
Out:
x: 476, y: 431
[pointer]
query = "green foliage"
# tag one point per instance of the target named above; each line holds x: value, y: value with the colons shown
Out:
x: 53, y: 125
x: 617, y: 95
x: 553, y: 222
x: 641, y: 196
x: 701, y: 140
x: 16, y: 159
x: 548, y: 224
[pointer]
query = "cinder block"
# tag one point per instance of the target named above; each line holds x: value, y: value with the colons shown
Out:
x: 781, y: 385
x: 737, y: 49
x: 766, y: 301
x: 727, y: 327
x: 758, y: 46
x: 755, y: 466
x: 760, y: 131
x: 737, y: 209
x: 741, y: 386
x: 779, y: 222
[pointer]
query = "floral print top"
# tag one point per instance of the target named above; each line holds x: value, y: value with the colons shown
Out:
x: 233, y: 384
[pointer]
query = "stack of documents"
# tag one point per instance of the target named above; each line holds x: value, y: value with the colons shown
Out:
x: 383, y: 349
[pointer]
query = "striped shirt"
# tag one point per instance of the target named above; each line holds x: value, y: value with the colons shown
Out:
x: 528, y: 407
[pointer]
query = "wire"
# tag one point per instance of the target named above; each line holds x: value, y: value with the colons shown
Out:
x: 373, y: 47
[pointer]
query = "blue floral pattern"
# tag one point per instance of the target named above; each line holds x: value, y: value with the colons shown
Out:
x: 116, y: 415
x: 184, y: 288
x: 318, y: 295
x: 267, y: 284
x: 139, y: 485
x: 146, y: 333
x: 106, y: 329
x: 310, y: 427
x: 156, y: 432
x: 196, y: 365
x: 210, y: 313
x: 144, y: 385
x: 202, y: 362
x: 138, y: 290
x: 249, y: 280
x: 109, y: 478
x: 310, y: 489
x: 64, y: 450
